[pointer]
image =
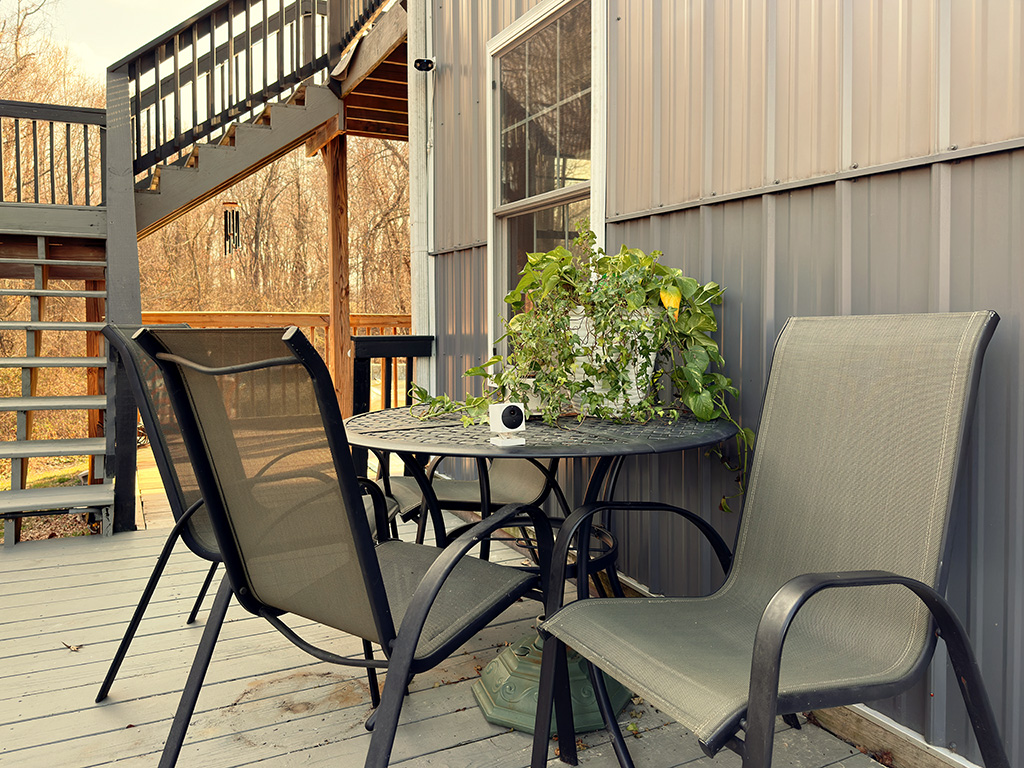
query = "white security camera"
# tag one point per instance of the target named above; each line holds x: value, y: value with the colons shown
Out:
x: 506, y: 418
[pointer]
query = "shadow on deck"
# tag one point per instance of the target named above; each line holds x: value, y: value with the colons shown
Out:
x: 265, y: 701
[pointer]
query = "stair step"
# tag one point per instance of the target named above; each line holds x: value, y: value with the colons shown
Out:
x: 43, y: 325
x: 52, y: 292
x: 25, y: 449
x: 92, y: 263
x: 53, y: 362
x: 44, y: 499
x: 67, y: 403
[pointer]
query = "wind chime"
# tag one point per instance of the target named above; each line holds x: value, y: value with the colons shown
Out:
x: 231, y: 226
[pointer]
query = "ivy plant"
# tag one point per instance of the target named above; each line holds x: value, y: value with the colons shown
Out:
x: 612, y: 335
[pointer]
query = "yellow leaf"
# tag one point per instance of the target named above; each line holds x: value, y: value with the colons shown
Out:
x: 670, y: 298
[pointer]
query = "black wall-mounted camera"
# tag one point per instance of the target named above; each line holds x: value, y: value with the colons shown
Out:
x: 423, y: 65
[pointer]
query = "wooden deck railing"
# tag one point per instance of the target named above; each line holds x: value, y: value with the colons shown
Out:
x: 226, y: 62
x: 385, y: 377
x: 51, y: 154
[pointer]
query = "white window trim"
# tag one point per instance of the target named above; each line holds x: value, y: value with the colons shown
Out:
x: 598, y: 141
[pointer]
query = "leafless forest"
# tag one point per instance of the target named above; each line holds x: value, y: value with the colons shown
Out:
x: 280, y: 262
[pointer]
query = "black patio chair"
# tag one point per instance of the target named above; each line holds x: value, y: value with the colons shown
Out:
x: 191, y: 523
x: 503, y: 481
x: 297, y: 540
x: 835, y: 592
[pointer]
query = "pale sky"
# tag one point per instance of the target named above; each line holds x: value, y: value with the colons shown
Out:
x: 100, y: 32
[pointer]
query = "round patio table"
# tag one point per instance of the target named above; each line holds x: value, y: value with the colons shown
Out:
x: 399, y: 431
x: 506, y: 690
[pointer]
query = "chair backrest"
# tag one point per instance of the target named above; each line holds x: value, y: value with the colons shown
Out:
x: 150, y: 394
x: 519, y: 479
x: 862, y: 428
x: 261, y: 421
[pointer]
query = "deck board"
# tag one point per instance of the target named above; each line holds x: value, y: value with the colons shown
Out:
x: 264, y: 700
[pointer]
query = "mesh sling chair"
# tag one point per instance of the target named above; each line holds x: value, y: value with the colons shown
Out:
x: 501, y: 481
x: 192, y: 523
x: 862, y: 428
x: 303, y: 545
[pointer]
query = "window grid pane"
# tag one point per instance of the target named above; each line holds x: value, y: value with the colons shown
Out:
x: 545, y: 108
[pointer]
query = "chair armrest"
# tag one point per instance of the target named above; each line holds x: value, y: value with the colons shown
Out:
x: 380, y: 507
x: 579, y: 522
x: 762, y: 701
x: 429, y: 587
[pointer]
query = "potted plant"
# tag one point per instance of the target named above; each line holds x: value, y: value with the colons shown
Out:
x: 612, y: 335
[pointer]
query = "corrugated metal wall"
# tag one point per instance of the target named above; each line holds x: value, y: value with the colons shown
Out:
x: 809, y: 156
x: 462, y: 29
x: 787, y: 110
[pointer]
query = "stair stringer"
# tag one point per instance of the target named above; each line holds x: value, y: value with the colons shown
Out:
x: 213, y: 168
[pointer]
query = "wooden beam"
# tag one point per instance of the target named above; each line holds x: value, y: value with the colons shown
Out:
x: 376, y: 116
x: 884, y: 745
x: 375, y: 48
x: 390, y: 72
x: 339, y: 340
x: 381, y: 103
x: 53, y: 220
x: 238, y: 319
x: 378, y: 131
x: 384, y: 88
x: 323, y: 134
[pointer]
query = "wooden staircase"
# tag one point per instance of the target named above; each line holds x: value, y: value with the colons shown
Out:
x: 209, y: 168
x: 194, y: 111
x: 39, y: 269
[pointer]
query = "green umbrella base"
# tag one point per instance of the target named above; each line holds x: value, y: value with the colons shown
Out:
x: 508, y: 688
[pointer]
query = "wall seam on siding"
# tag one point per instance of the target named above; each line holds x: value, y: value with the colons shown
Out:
x: 844, y: 246
x: 709, y: 98
x: 954, y: 156
x: 771, y: 54
x: 769, y: 204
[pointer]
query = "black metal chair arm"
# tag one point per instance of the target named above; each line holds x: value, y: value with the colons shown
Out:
x: 380, y: 507
x: 771, y: 634
x: 580, y: 518
x: 433, y: 580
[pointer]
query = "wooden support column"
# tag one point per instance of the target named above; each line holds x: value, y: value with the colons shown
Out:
x: 339, y: 337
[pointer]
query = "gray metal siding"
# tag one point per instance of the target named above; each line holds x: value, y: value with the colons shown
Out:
x: 713, y: 109
x: 460, y: 340
x: 794, y: 267
x: 462, y: 29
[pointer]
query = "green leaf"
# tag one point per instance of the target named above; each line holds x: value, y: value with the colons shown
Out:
x: 702, y: 405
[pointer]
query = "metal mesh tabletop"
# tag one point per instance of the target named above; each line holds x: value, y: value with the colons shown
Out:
x: 398, y: 430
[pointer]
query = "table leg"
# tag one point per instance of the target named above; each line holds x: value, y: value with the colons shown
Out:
x: 485, y: 503
x: 433, y: 509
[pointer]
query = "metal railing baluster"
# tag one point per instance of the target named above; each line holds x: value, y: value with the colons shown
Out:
x: 35, y: 161
x: 53, y: 177
x: 67, y: 161
x: 85, y: 144
x: 17, y: 155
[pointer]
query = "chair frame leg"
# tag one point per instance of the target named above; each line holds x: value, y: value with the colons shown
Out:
x: 371, y: 675
x: 553, y: 694
x: 384, y: 721
x: 140, y: 609
x: 196, y: 675
x: 202, y: 593
x: 611, y: 723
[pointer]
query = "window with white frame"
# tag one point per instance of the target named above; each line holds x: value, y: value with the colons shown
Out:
x: 542, y: 141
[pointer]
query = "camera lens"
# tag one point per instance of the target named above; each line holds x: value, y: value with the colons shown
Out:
x: 512, y: 416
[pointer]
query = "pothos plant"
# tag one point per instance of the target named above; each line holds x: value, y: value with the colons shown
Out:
x: 617, y: 335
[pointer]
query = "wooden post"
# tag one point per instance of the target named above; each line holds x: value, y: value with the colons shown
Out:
x: 339, y: 336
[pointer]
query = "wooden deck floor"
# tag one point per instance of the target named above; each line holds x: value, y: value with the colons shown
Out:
x: 265, y: 701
